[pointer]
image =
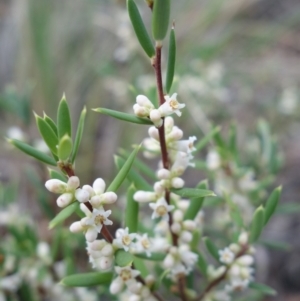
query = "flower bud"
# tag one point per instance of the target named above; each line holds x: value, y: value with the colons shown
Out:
x: 144, y: 101
x: 116, y: 286
x: 64, y: 200
x: 76, y: 227
x: 176, y: 228
x: 107, y: 250
x: 105, y: 263
x: 56, y: 186
x: 163, y: 174
x: 178, y: 216
x: 189, y: 225
x: 186, y: 236
x: 82, y: 195
x: 153, y: 133
x: 139, y: 111
x: 97, y: 245
x: 177, y: 183
x: 155, y: 116
x: 144, y: 196
x: 169, y: 261
x: 109, y: 197
x: 73, y: 183
x: 99, y: 186
x: 245, y: 260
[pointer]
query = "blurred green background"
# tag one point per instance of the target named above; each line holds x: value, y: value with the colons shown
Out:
x: 237, y: 60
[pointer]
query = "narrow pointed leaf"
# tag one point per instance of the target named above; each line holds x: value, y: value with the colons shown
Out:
x: 123, y: 258
x: 51, y: 123
x: 202, y: 264
x: 31, y: 151
x: 124, y: 116
x: 271, y: 203
x: 211, y: 248
x: 196, y: 203
x: 133, y: 177
x: 140, y: 29
x: 193, y: 192
x: 63, y: 215
x: 160, y: 19
x: 87, y: 279
x: 171, y: 60
x: 64, y: 147
x: 131, y: 211
x: 205, y: 140
x: 79, y: 134
x: 257, y: 224
x: 121, y: 176
x: 140, y: 165
x: 263, y: 288
x: 63, y: 119
x: 47, y: 133
x: 152, y: 257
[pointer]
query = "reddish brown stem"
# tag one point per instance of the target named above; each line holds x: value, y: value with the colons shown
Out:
x: 106, y: 234
x: 164, y: 154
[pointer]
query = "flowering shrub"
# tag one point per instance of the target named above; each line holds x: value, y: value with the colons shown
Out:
x: 173, y: 253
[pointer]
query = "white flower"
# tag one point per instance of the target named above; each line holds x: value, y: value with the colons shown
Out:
x: 186, y: 146
x: 161, y: 209
x: 226, y: 256
x: 155, y: 117
x: 171, y: 106
x: 93, y: 222
x: 125, y: 275
x: 237, y: 285
x: 124, y: 239
x: 143, y: 106
x: 182, y: 161
x: 143, y: 244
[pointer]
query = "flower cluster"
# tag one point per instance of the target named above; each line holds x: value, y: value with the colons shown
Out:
x: 238, y: 261
x: 145, y: 108
x: 94, y: 220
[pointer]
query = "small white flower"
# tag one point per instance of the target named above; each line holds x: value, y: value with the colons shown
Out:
x: 124, y: 239
x: 64, y: 200
x: 125, y: 275
x: 237, y: 285
x: 177, y: 182
x: 143, y: 244
x: 171, y: 106
x: 93, y: 222
x: 186, y: 146
x: 155, y: 117
x: 161, y: 209
x: 182, y: 161
x: 56, y: 186
x: 226, y: 256
x: 245, y: 260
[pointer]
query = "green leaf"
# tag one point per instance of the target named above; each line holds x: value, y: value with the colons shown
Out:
x: 51, y: 123
x: 153, y: 257
x: 212, y: 249
x: 133, y: 177
x: 205, y: 140
x: 123, y: 258
x: 63, y: 119
x: 271, y: 203
x: 196, y: 203
x: 140, y: 29
x: 141, y: 166
x: 64, y: 147
x: 31, y: 151
x: 87, y: 279
x: 124, y: 116
x: 193, y: 192
x: 131, y: 211
x: 202, y: 264
x: 120, y: 177
x: 263, y: 288
x: 140, y: 265
x: 47, y: 133
x: 232, y: 140
x: 257, y: 224
x: 57, y: 175
x: 160, y: 19
x: 171, y: 60
x: 63, y: 215
x: 79, y: 134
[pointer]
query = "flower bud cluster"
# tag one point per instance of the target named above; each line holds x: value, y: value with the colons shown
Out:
x: 238, y: 261
x: 136, y: 291
x: 145, y: 108
x: 180, y: 261
x: 101, y: 254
